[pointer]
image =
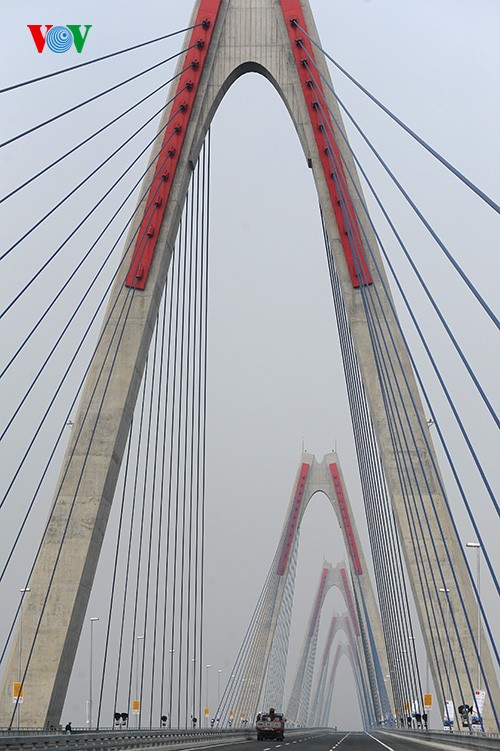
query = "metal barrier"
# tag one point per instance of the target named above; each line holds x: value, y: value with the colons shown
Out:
x: 109, y: 739
x: 485, y: 741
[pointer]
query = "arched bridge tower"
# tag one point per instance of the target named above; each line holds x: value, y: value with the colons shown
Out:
x: 230, y: 38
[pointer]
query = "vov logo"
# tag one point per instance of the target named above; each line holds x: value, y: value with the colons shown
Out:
x: 59, y: 38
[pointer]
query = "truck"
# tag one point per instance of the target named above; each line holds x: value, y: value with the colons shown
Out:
x: 270, y: 726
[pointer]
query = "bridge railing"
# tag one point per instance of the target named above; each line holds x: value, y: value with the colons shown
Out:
x: 110, y: 738
x: 484, y: 741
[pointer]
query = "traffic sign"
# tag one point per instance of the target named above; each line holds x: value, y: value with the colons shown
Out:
x: 17, y: 692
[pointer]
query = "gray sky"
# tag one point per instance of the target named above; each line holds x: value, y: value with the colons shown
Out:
x: 275, y: 376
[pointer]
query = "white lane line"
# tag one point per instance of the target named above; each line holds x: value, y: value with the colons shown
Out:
x: 381, y: 743
x: 342, y: 739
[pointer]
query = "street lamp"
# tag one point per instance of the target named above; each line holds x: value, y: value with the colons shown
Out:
x: 171, y: 652
x: 92, y: 621
x: 137, y: 682
x: 218, y: 687
x: 447, y: 592
x: 194, y: 719
x: 478, y: 576
x: 207, y: 711
x: 19, y: 666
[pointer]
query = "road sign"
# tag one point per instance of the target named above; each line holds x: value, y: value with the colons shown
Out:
x: 427, y: 701
x: 17, y: 692
x: 207, y: 712
x: 136, y: 706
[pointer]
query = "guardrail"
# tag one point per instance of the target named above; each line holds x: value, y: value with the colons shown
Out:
x: 485, y: 741
x: 110, y: 738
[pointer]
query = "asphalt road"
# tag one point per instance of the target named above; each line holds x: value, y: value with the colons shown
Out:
x: 307, y: 740
x: 330, y: 741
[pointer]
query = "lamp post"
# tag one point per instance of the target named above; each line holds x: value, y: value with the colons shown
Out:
x: 478, y: 577
x: 137, y: 681
x: 19, y: 665
x: 218, y: 687
x: 171, y: 652
x: 447, y: 592
x: 92, y: 621
x: 194, y: 719
x: 207, y: 712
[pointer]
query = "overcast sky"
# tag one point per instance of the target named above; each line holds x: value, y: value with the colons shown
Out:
x: 275, y: 375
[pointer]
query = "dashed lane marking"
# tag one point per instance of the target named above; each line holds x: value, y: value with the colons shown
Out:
x: 340, y: 741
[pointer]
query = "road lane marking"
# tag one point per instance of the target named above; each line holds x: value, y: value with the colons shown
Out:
x: 381, y: 743
x: 340, y: 741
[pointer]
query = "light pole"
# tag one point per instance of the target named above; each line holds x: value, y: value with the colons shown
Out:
x: 19, y: 666
x: 92, y: 621
x: 194, y: 719
x: 137, y: 682
x: 478, y: 577
x: 218, y: 687
x: 171, y: 652
x: 207, y: 710
x: 447, y: 592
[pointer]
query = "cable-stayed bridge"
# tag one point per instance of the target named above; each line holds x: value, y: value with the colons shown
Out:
x: 130, y: 436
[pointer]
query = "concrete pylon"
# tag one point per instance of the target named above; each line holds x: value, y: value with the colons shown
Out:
x: 298, y: 710
x: 322, y: 701
x: 352, y: 579
x: 346, y: 650
x: 326, y: 477
x: 233, y: 37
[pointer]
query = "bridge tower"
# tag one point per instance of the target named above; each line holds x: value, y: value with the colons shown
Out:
x: 232, y: 37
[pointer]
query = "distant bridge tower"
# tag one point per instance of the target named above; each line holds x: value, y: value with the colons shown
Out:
x: 236, y: 37
x: 299, y: 710
x: 269, y: 647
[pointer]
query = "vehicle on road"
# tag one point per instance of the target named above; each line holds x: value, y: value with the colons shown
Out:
x: 270, y: 726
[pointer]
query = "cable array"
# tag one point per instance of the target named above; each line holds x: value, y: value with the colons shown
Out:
x: 165, y: 512
x: 406, y: 681
x: 158, y: 607
x: 153, y: 655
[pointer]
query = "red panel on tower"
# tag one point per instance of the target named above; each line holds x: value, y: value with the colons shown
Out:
x: 346, y: 520
x: 320, y: 596
x: 293, y: 519
x: 328, y: 150
x: 173, y: 139
x: 349, y: 600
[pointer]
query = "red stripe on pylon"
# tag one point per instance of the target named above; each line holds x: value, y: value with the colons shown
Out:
x: 173, y: 139
x: 350, y: 236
